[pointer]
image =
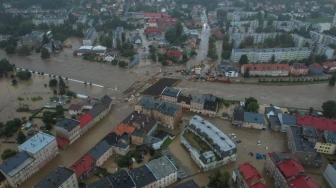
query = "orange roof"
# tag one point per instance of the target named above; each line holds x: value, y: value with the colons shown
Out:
x: 122, y: 128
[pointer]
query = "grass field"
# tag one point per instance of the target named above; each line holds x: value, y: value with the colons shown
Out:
x: 319, y: 20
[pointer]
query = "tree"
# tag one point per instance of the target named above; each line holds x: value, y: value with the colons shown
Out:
x: 170, y: 35
x: 5, y: 66
x: 332, y: 80
x: 45, y: 39
x: 48, y: 117
x: 106, y: 41
x: 61, y: 82
x: 219, y: 179
x: 178, y: 29
x: 61, y: 90
x: 14, y: 82
x: 53, y: 83
x: 23, y: 75
x: 151, y: 151
x: 252, y: 107
x: 114, y: 62
x: 329, y: 108
x: 273, y: 59
x: 247, y: 72
x: 59, y: 110
x: 10, y: 49
x: 243, y: 60
x: 122, y: 64
x: 250, y: 100
x: 123, y: 37
x: 45, y: 53
x: 21, y: 138
x: 118, y: 42
x: 7, y: 153
x: 23, y: 50
x: 249, y: 40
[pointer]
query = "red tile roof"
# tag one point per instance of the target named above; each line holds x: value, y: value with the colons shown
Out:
x: 260, y: 67
x: 174, y: 53
x: 330, y: 64
x: 75, y: 107
x: 122, y: 128
x: 152, y: 30
x: 167, y: 20
x: 152, y: 21
x: 85, y: 119
x: 62, y: 142
x: 316, y: 66
x: 302, y: 181
x: 290, y: 168
x: 299, y: 66
x: 155, y: 15
x: 83, y: 165
x: 251, y: 175
x: 319, y: 123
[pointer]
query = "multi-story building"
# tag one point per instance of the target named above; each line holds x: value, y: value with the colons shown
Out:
x: 266, y: 69
x: 120, y: 179
x: 241, y: 29
x: 298, y: 69
x: 221, y: 150
x: 206, y: 105
x: 329, y: 67
x: 164, y: 171
x: 101, y: 152
x: 301, y: 142
x: 61, y: 177
x: 81, y: 20
x: 117, y: 35
x: 184, y: 102
x: 187, y: 184
x: 68, y: 129
x: 272, y: 117
x: 84, y: 167
x: 3, y: 181
x: 301, y: 41
x: 329, y: 175
x: 252, y: 23
x: 326, y: 143
x: 254, y: 120
x: 42, y: 147
x: 170, y: 95
x: 118, y: 147
x: 32, y: 40
x: 266, y: 54
x: 322, y: 49
x: 247, y: 176
x: 286, y: 121
x: 90, y: 37
x: 18, y: 168
x: 238, y: 38
x: 143, y: 177
x: 315, y: 68
x: 238, y: 15
x: 50, y: 19
x: 320, y: 123
x: 166, y: 23
x: 322, y: 38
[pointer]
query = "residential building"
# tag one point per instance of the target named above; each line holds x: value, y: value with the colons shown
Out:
x: 154, y: 33
x: 81, y: 19
x: 322, y: 38
x: 32, y: 40
x: 188, y: 184
x: 143, y: 177
x: 329, y: 67
x: 120, y: 179
x: 206, y: 105
x: 166, y: 23
x: 298, y: 69
x: 84, y: 167
x: 118, y: 147
x: 272, y: 111
x: 326, y: 143
x: 170, y: 95
x: 316, y: 68
x: 266, y: 69
x: 50, y: 19
x: 322, y: 49
x: 333, y: 24
x: 254, y: 120
x: 18, y: 168
x: 238, y: 116
x: 229, y: 70
x: 90, y: 37
x: 301, y: 41
x: 61, y: 177
x: 266, y: 54
x: 3, y: 181
x: 164, y: 171
x: 320, y: 124
x: 329, y: 174
x: 68, y: 129
x: 86, y: 122
x: 286, y: 172
x: 247, y: 176
x: 75, y: 109
x: 117, y: 35
x: 301, y: 142
x: 286, y: 121
x: 101, y: 152
x: 184, y: 102
x: 175, y: 54
x: 258, y: 38
x: 42, y: 147
x: 221, y: 150
x: 155, y: 15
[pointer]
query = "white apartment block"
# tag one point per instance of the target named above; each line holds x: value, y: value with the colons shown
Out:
x: 323, y: 49
x: 164, y: 171
x: 42, y: 147
x: 333, y: 24
x: 241, y: 30
x: 253, y: 23
x: 322, y: 38
x: 238, y: 38
x: 238, y: 15
x: 90, y: 37
x: 50, y: 19
x: 265, y: 55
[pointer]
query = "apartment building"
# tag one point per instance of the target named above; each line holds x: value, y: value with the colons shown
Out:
x: 18, y: 168
x: 170, y: 95
x: 184, y: 102
x: 329, y: 175
x: 239, y: 15
x: 238, y: 38
x: 287, y: 172
x: 120, y: 179
x: 101, y: 152
x: 329, y: 67
x: 247, y: 176
x: 90, y: 37
x: 164, y: 171
x: 252, y: 23
x: 68, y: 129
x: 241, y: 29
x: 333, y: 24
x: 298, y: 69
x: 266, y: 54
x: 266, y: 69
x: 301, y: 41
x: 32, y: 40
x: 143, y: 177
x: 42, y: 147
x: 61, y: 177
x: 326, y: 143
x: 50, y: 19
x: 84, y: 167
x: 301, y: 143
x: 206, y: 105
x: 322, y: 38
x: 322, y: 49
x: 221, y: 150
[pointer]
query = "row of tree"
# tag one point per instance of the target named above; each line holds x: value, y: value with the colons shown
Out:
x: 212, y: 50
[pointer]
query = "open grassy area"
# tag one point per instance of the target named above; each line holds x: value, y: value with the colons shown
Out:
x: 166, y: 143
x: 319, y: 20
x: 196, y: 142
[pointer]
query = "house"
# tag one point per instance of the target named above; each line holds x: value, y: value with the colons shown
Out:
x: 247, y: 176
x: 14, y: 167
x: 299, y: 69
x: 75, y: 109
x: 184, y: 102
x: 238, y: 116
x: 266, y: 69
x: 329, y: 67
x: 287, y: 121
x: 68, y: 129
x: 153, y: 33
x: 229, y: 71
x: 287, y: 172
x: 329, y: 174
x: 152, y: 23
x: 188, y: 184
x: 32, y: 40
x: 272, y: 117
x: 316, y: 68
x: 114, y: 141
x: 48, y: 46
x: 326, y: 143
x: 170, y: 95
x: 143, y: 177
x: 59, y: 178
x: 42, y: 147
x: 175, y: 54
x: 164, y: 171
x: 122, y: 129
x: 110, y: 56
x: 166, y: 23
x: 320, y: 124
x: 86, y: 122
x: 101, y: 152
x: 210, y: 105
x: 114, y: 180
x: 254, y: 120
x: 221, y: 151
x: 137, y: 39
x: 84, y: 167
x: 301, y: 142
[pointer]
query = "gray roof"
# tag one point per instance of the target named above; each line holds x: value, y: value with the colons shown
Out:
x: 254, y: 117
x: 301, y: 143
x: 112, y: 138
x: 140, y: 120
x: 209, y: 97
x: 68, y: 124
x: 121, y: 145
x: 309, y: 131
x: 188, y: 184
x: 270, y: 49
x: 106, y: 100
x: 274, y: 121
x: 161, y: 167
x: 142, y: 176
x: 55, y: 178
x: 120, y: 179
x: 197, y: 100
x: 169, y: 108
x: 16, y: 163
x: 289, y: 119
x: 89, y: 32
x: 281, y: 156
x: 238, y: 113
x: 273, y: 110
x: 171, y: 92
x: 99, y: 149
x: 139, y: 132
x: 97, y: 109
x: 149, y: 103
x: 330, y: 136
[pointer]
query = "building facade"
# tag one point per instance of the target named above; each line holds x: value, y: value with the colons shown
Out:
x: 170, y: 95
x: 247, y: 176
x: 61, y: 177
x: 266, y: 69
x: 298, y: 69
x: 254, y: 120
x: 329, y: 175
x: 68, y: 129
x: 101, y: 152
x: 327, y: 143
x: 50, y: 19
x: 90, y: 37
x: 164, y: 171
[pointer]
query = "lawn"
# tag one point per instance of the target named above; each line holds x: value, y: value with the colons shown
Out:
x: 196, y: 142
x: 319, y: 20
x: 166, y: 143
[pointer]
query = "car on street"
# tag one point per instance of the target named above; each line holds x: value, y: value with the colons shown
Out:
x: 238, y: 141
x: 258, y: 142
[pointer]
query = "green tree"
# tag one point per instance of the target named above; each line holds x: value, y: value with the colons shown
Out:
x: 252, y: 107
x: 243, y: 60
x: 170, y: 35
x: 61, y: 90
x: 249, y: 41
x: 10, y: 49
x: 21, y: 138
x: 114, y: 62
x: 178, y: 29
x: 61, y: 82
x: 23, y: 50
x: 59, y: 110
x: 53, y: 83
x: 247, y: 73
x: 123, y: 37
x: 106, y: 41
x: 332, y: 80
x: 23, y: 75
x: 8, y: 153
x: 219, y: 179
x: 118, y: 42
x: 273, y: 59
x: 5, y: 66
x: 250, y: 100
x: 45, y: 53
x: 122, y: 64
x: 152, y: 51
x: 48, y: 117
x: 45, y: 39
x: 329, y: 108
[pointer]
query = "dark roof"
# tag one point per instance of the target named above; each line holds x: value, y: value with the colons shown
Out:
x: 125, y: 137
x: 169, y: 108
x: 188, y: 184
x: 142, y: 176
x: 209, y: 97
x: 13, y: 162
x: 75, y: 107
x: 171, y: 92
x: 99, y: 149
x: 120, y: 179
x: 288, y: 119
x: 272, y: 109
x: 254, y: 117
x: 97, y: 109
x: 139, y: 132
x: 149, y: 103
x: 274, y: 121
x: 301, y: 142
x: 121, y: 145
x: 106, y: 100
x: 55, y: 178
x: 162, y: 134
x: 210, y: 105
x: 140, y: 120
x: 185, y: 99
x: 238, y: 113
x: 2, y: 177
x: 68, y: 124
x: 112, y: 139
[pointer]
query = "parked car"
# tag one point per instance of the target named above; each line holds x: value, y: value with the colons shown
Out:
x: 238, y: 141
x: 251, y: 153
x: 258, y: 142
